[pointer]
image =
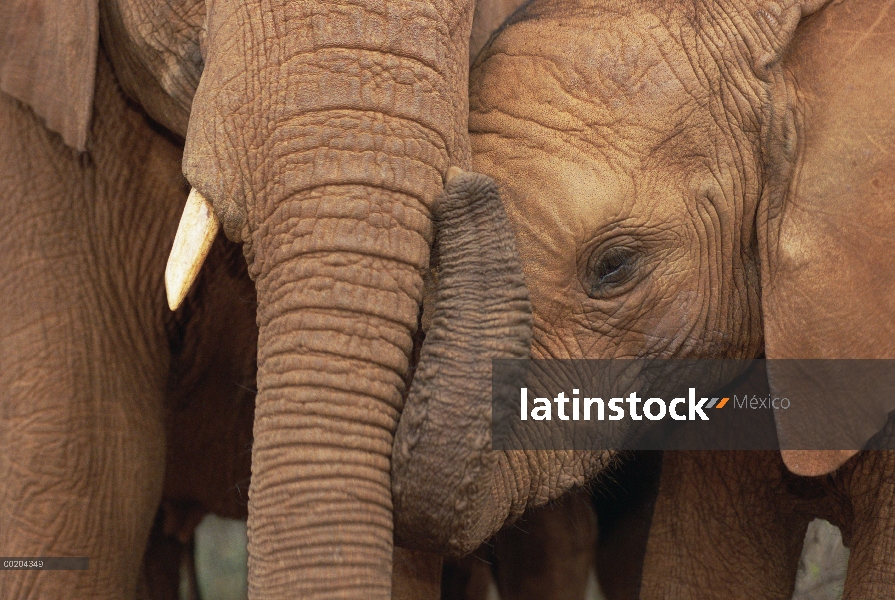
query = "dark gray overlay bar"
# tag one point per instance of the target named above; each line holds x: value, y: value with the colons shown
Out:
x: 673, y: 404
x: 44, y: 563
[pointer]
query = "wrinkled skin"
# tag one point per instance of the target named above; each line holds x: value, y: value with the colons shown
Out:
x: 489, y: 15
x: 841, y: 77
x: 620, y: 222
x: 322, y: 134
x: 185, y: 450
x: 91, y: 414
x: 618, y: 241
x: 679, y: 177
x: 203, y: 405
x: 732, y: 524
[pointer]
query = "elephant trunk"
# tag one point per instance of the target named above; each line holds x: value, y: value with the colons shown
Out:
x: 334, y: 336
x: 321, y: 132
x: 448, y: 486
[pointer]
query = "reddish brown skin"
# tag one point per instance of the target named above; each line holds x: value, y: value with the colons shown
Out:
x: 86, y: 473
x: 788, y: 106
x: 234, y: 151
x: 731, y: 524
x: 347, y: 118
x: 720, y: 508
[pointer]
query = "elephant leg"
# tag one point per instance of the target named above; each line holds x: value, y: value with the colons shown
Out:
x: 83, y: 349
x: 549, y: 552
x: 81, y: 447
x: 871, y: 488
x: 723, y: 528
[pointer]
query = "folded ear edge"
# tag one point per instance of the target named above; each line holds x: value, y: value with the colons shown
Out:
x: 48, y: 61
x: 813, y: 463
x: 811, y: 6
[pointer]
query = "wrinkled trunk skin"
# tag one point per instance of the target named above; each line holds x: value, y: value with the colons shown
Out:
x: 443, y: 440
x: 321, y: 132
x: 451, y: 491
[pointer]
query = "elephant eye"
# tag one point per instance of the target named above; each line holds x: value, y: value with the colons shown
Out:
x: 612, y: 268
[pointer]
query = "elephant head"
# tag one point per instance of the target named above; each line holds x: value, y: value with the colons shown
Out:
x: 632, y: 188
x: 318, y: 134
x: 652, y: 161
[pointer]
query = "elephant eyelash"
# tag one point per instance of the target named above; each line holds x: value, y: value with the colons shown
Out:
x: 612, y: 268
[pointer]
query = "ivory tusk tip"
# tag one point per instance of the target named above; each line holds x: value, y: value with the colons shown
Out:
x: 175, y: 293
x: 175, y: 298
x: 195, y: 234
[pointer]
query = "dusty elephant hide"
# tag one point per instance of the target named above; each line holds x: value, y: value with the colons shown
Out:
x: 679, y: 178
x: 330, y: 184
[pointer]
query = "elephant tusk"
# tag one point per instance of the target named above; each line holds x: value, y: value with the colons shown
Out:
x: 197, y: 230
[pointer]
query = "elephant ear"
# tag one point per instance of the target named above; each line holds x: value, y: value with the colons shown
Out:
x: 488, y: 17
x: 48, y: 61
x: 826, y: 234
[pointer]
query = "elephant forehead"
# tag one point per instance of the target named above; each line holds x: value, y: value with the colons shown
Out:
x: 559, y: 208
x: 555, y: 194
x: 620, y: 84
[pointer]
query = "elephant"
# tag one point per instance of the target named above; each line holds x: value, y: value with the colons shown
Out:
x: 85, y: 351
x: 678, y: 177
x: 320, y: 138
x: 111, y: 403
x: 174, y: 392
